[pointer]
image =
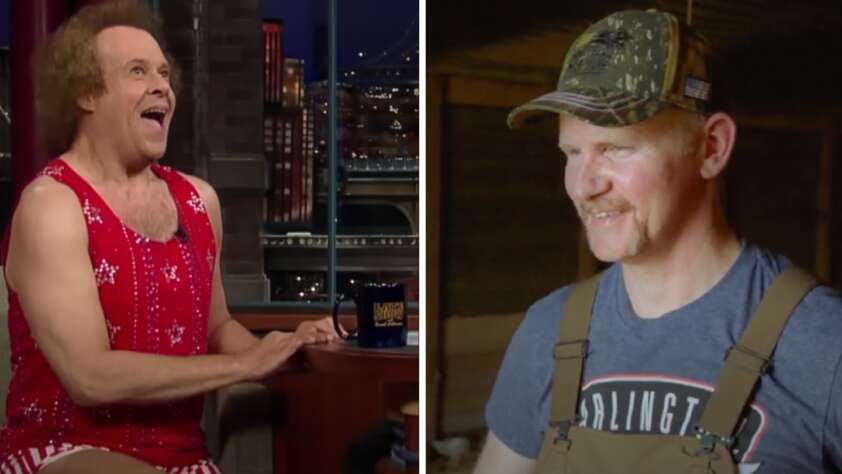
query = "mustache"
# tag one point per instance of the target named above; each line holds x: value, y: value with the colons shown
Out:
x: 603, y: 205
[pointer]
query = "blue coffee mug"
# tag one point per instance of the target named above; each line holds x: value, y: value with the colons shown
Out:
x: 381, y: 315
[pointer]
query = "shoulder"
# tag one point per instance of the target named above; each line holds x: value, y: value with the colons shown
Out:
x: 46, y: 204
x: 548, y: 310
x: 769, y: 263
x: 45, y: 188
x: 821, y: 308
x: 540, y: 327
x: 47, y: 225
x: 208, y: 196
x: 820, y: 302
x: 819, y: 315
x: 812, y: 332
x: 206, y: 192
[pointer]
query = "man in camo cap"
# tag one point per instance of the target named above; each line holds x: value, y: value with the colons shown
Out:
x: 644, y: 153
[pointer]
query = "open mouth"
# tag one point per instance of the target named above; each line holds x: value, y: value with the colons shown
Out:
x: 156, y: 114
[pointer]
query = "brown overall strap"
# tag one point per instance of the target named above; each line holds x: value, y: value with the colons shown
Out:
x: 570, y: 353
x: 747, y: 360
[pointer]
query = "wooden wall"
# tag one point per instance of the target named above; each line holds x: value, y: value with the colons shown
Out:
x: 510, y: 233
x: 492, y: 205
x: 473, y: 351
x: 771, y: 191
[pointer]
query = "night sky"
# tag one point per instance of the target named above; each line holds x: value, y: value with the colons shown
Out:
x: 4, y: 23
x: 370, y: 26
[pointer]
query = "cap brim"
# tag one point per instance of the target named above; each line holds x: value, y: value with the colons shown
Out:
x: 598, y: 108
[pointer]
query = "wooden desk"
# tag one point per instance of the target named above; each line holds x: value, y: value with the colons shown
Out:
x: 269, y: 321
x: 343, y: 358
x: 336, y: 394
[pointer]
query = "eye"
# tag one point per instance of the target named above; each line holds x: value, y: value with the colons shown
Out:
x: 137, y: 70
x: 615, y: 151
x: 165, y: 73
x: 570, y: 152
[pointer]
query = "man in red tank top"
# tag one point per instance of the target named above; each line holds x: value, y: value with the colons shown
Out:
x: 117, y: 316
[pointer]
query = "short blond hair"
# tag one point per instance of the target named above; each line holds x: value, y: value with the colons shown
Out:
x: 691, y: 126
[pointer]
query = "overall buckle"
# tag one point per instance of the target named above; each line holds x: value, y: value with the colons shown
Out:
x: 748, y: 359
x: 562, y: 429
x: 708, y: 440
x: 575, y: 349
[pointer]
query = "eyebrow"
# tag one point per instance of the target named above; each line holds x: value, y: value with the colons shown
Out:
x: 562, y: 145
x: 602, y: 143
x: 146, y: 62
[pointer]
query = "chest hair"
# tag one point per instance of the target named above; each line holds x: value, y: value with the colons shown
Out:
x: 150, y: 212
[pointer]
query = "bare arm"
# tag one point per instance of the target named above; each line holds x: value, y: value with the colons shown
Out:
x: 49, y: 268
x: 226, y: 335
x: 497, y: 457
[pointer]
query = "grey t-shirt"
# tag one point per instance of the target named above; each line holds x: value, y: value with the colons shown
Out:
x: 655, y: 375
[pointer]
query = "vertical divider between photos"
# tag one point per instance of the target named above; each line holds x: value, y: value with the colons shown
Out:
x: 332, y: 152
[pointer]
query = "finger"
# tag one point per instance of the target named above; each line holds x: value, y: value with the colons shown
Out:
x: 320, y: 338
x: 326, y: 325
x: 325, y: 333
x: 323, y: 330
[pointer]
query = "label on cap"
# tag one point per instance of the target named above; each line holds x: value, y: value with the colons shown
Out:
x: 697, y: 88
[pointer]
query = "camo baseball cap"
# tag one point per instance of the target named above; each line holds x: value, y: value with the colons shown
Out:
x: 626, y: 68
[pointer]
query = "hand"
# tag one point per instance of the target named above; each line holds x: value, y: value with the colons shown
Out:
x: 268, y: 355
x: 316, y: 332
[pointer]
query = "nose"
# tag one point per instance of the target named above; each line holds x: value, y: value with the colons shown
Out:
x: 159, y: 85
x: 585, y: 177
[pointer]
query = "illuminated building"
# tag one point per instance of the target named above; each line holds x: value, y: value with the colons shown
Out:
x: 287, y: 134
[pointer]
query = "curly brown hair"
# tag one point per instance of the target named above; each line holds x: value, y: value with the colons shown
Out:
x: 67, y: 68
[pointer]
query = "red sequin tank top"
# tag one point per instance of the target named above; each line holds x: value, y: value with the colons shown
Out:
x: 156, y: 299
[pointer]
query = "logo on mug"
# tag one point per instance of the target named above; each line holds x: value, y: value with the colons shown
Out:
x: 388, y: 314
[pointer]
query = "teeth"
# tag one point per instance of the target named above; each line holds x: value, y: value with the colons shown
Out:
x: 603, y: 215
x: 155, y: 109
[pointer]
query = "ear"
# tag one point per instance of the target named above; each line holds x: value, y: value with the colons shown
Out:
x: 86, y: 103
x: 720, y: 135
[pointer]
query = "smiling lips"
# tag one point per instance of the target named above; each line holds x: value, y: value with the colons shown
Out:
x: 604, y: 213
